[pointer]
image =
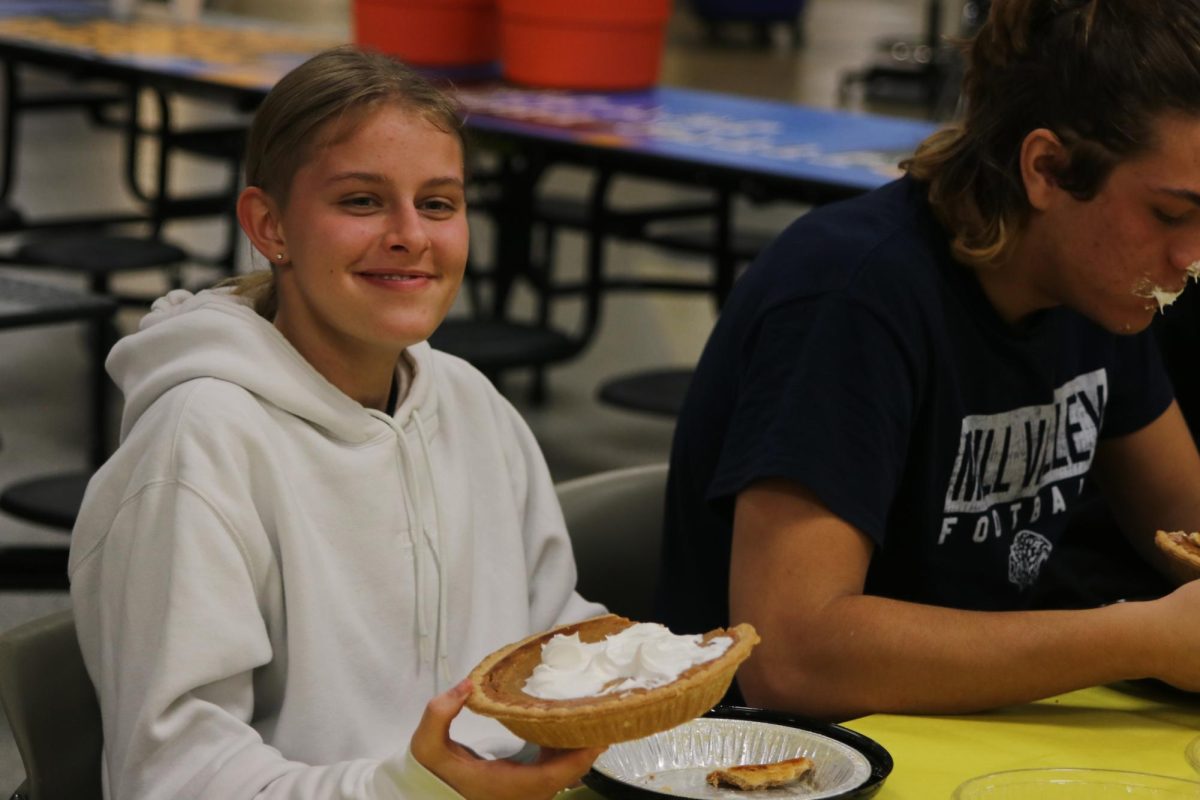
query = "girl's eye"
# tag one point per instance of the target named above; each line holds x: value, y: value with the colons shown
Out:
x: 439, y: 205
x: 1169, y: 219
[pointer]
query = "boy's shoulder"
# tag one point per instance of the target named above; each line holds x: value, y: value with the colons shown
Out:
x: 882, y: 246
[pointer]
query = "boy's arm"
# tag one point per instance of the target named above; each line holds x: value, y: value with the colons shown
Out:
x: 828, y: 650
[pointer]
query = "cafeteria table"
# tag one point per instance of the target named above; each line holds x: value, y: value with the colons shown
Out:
x: 700, y: 137
x: 1141, y: 726
x: 731, y: 147
x: 736, y: 146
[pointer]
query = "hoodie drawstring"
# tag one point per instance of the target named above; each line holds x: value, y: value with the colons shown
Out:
x: 411, y: 504
x: 434, y: 537
x: 432, y: 646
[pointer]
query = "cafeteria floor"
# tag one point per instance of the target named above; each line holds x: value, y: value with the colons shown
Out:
x: 65, y: 167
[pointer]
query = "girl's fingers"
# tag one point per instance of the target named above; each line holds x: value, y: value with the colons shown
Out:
x: 433, y: 731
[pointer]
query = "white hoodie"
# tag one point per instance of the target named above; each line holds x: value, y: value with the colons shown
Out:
x: 270, y: 580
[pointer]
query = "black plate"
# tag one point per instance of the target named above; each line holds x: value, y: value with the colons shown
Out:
x: 1154, y: 689
x: 879, y: 758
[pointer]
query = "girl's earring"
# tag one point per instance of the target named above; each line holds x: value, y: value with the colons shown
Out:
x: 279, y: 256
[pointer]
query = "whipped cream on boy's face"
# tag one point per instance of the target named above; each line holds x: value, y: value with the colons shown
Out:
x: 641, y: 656
x: 1164, y: 297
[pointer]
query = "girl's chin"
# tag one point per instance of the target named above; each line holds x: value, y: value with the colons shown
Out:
x: 403, y: 339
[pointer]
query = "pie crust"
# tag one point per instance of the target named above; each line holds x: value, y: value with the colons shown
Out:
x: 749, y: 777
x: 606, y: 719
x: 1183, y: 551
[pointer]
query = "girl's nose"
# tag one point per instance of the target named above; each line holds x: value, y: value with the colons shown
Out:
x: 406, y: 231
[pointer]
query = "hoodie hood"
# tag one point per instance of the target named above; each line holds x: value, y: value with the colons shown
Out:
x: 216, y: 334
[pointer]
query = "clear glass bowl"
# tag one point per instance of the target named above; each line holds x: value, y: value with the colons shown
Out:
x: 1075, y: 784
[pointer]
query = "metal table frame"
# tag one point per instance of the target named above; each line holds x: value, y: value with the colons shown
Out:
x: 25, y: 303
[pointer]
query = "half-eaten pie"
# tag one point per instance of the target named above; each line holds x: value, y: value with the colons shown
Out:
x: 751, y: 777
x: 1183, y: 550
x: 604, y: 705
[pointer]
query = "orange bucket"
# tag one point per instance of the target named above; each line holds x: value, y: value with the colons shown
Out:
x: 583, y: 44
x: 429, y: 33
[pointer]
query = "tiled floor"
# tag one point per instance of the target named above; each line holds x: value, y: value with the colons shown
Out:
x: 67, y: 166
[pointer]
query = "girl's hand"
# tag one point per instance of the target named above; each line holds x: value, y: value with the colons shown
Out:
x: 479, y: 779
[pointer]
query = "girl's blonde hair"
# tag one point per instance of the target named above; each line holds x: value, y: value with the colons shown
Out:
x: 317, y: 104
x: 1098, y: 73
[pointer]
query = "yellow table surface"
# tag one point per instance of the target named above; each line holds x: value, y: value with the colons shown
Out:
x: 1128, y: 726
x: 1131, y: 727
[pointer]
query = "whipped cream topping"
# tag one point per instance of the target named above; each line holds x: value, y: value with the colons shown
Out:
x: 641, y: 656
x: 1164, y: 297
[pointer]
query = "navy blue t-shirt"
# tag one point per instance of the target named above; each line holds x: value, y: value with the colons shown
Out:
x: 856, y: 358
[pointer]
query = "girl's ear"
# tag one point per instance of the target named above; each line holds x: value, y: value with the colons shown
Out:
x: 259, y: 217
x: 1043, y: 156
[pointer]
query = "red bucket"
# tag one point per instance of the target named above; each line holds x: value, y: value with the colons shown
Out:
x: 583, y: 44
x: 429, y: 33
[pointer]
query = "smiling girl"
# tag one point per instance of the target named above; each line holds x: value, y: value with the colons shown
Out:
x: 315, y: 523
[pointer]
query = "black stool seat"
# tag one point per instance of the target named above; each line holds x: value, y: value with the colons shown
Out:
x: 40, y: 568
x: 10, y: 219
x: 98, y: 253
x: 218, y: 142
x: 51, y: 500
x: 654, y: 391
x: 492, y: 345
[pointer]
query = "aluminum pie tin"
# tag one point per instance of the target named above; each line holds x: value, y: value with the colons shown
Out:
x: 674, y: 763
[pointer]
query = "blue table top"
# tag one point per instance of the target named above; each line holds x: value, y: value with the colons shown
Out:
x: 748, y: 135
x: 12, y: 8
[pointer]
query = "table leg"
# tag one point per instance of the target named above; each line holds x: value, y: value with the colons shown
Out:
x: 10, y: 129
x: 514, y: 226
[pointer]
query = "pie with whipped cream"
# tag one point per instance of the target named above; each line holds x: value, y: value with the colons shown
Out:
x: 1183, y: 550
x: 606, y: 680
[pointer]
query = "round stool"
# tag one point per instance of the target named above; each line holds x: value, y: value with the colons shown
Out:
x: 99, y: 255
x: 658, y: 392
